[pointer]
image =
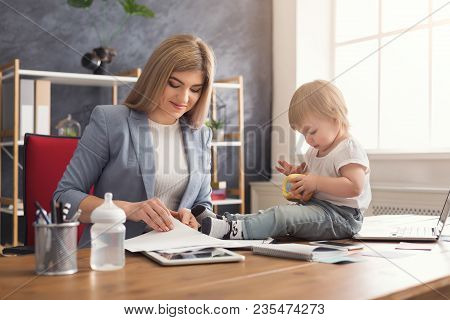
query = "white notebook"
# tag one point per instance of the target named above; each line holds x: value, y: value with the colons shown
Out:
x: 298, y: 251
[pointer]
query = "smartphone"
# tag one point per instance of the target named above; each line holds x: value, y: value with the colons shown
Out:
x: 338, y: 245
x: 19, y: 250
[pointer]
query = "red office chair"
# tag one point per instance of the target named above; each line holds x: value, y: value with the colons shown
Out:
x: 46, y: 159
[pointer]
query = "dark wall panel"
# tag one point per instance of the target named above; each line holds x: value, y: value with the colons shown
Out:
x: 50, y: 35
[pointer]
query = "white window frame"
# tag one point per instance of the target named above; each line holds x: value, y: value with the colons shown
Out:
x: 396, y: 154
x: 387, y: 168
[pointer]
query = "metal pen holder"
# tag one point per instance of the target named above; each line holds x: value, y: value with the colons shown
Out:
x: 56, y: 248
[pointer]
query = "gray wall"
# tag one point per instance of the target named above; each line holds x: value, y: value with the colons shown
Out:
x: 50, y: 35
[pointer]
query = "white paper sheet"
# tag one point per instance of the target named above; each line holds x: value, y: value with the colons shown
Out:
x: 182, y: 238
x: 415, y: 246
x: 387, y: 254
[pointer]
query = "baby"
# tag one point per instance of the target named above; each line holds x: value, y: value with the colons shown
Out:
x: 337, y: 170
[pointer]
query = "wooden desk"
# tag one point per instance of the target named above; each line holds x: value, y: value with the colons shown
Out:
x: 425, y: 275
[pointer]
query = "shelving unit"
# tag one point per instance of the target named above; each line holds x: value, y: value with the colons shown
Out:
x: 234, y: 196
x: 13, y: 71
x: 10, y: 138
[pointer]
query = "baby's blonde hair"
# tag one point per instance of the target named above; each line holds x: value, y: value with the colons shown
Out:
x: 320, y: 98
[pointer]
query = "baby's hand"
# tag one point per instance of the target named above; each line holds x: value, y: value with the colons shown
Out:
x: 304, y: 184
x: 286, y: 168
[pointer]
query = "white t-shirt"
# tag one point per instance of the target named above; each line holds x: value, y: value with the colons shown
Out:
x: 347, y: 151
x: 172, y: 172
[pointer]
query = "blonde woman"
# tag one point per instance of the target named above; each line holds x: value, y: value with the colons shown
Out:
x: 153, y: 152
x: 338, y: 175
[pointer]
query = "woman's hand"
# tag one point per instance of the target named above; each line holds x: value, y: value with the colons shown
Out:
x: 286, y: 168
x: 304, y: 184
x: 153, y: 212
x: 186, y: 217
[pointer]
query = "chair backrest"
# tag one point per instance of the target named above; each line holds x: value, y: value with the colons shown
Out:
x: 46, y: 159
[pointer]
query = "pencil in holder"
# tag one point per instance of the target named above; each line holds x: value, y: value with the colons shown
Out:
x: 56, y: 248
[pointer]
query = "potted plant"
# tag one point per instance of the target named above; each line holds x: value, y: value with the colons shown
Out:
x: 217, y: 128
x: 97, y: 59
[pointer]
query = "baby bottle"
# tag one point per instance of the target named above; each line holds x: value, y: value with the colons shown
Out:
x: 107, y: 236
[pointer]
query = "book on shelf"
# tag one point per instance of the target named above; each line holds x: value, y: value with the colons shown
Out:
x: 26, y: 112
x: 219, y: 190
x: 298, y: 251
x: 26, y: 107
x: 42, y: 94
x: 218, y: 194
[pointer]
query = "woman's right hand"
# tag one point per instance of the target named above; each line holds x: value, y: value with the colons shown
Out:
x: 153, y: 212
x: 286, y: 168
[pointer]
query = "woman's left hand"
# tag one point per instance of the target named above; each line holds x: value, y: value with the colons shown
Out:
x: 304, y: 184
x: 186, y: 217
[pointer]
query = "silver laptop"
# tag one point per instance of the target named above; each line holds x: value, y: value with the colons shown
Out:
x: 416, y: 232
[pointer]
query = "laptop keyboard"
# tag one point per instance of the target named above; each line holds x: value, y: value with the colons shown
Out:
x: 419, y: 231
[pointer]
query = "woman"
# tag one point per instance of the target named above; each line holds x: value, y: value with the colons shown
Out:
x: 153, y: 152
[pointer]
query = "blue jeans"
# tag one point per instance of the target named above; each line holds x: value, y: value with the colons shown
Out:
x: 315, y: 220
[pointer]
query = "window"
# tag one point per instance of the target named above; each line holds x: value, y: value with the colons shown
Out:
x: 392, y: 63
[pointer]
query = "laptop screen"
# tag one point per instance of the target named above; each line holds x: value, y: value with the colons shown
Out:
x: 444, y: 215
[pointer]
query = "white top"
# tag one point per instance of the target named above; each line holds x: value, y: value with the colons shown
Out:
x: 171, y: 168
x: 347, y: 151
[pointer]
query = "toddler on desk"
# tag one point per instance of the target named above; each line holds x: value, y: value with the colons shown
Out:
x: 336, y: 172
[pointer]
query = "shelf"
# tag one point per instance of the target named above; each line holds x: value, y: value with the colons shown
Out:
x: 77, y: 79
x: 213, y: 143
x: 85, y: 79
x: 10, y: 211
x: 10, y: 143
x: 226, y: 143
x: 226, y: 202
x: 226, y: 85
x: 43, y: 80
x: 13, y: 72
x: 233, y: 139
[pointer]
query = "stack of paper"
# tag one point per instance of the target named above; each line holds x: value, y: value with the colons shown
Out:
x: 181, y: 238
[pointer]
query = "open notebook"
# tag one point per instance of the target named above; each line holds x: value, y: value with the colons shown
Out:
x: 298, y: 251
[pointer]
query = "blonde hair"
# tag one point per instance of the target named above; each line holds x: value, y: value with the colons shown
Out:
x: 320, y: 98
x: 175, y: 54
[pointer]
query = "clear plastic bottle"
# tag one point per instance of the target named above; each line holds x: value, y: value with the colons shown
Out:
x: 107, y: 236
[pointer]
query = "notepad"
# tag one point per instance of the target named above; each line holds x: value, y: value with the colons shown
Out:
x: 298, y: 251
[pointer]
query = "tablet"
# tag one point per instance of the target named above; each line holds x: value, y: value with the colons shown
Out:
x: 207, y: 255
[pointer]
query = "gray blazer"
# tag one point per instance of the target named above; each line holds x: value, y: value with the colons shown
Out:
x: 115, y: 154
